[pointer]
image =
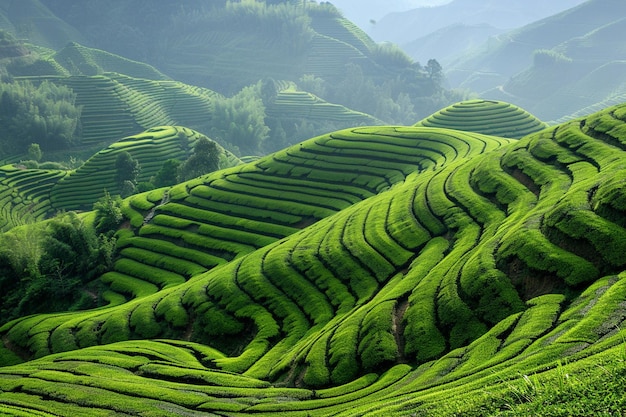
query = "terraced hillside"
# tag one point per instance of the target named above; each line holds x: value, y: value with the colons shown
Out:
x: 25, y: 194
x: 486, y: 116
x: 408, y: 271
x: 291, y: 103
x: 28, y: 195
x: 115, y: 105
x: 242, y: 210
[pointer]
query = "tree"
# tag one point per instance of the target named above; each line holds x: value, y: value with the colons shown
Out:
x: 71, y: 251
x: 46, y: 267
x: 108, y: 214
x: 168, y: 174
x: 127, y: 171
x: 205, y: 159
x: 240, y: 120
x: 434, y: 70
x: 45, y: 114
x: 34, y: 152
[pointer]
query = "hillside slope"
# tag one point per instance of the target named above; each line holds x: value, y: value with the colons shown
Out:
x: 225, y: 46
x: 485, y: 262
x: 33, y: 20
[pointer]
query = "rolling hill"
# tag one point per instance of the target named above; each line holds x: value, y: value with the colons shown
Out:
x: 369, y: 271
x: 487, y: 117
x: 119, y: 97
x: 226, y: 47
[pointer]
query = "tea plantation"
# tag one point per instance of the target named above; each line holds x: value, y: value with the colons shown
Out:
x: 373, y: 271
x: 27, y: 195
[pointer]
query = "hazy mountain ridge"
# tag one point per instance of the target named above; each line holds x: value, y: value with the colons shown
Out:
x: 30, y: 19
x: 407, y: 27
x: 553, y: 67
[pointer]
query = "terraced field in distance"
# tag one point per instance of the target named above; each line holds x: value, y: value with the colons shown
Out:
x: 234, y: 212
x: 443, y: 273
x: 84, y: 186
x: 25, y: 194
x: 489, y: 117
x: 78, y: 59
x: 291, y: 103
x: 28, y: 195
x: 115, y: 105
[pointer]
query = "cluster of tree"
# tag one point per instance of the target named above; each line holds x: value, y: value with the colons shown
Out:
x: 239, y: 122
x: 45, y: 114
x: 127, y: 171
x: 49, y: 266
x: 204, y: 158
x: 413, y: 93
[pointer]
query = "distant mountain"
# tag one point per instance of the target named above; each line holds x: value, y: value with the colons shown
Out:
x: 403, y: 27
x: 407, y: 28
x: 554, y: 67
x: 450, y: 42
x: 31, y: 19
x: 367, y: 12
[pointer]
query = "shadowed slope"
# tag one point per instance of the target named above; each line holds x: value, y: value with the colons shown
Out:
x: 414, y: 300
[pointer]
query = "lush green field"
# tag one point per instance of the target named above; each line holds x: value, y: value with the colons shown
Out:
x: 371, y: 271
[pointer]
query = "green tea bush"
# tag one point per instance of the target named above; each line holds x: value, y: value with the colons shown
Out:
x: 171, y: 309
x: 156, y: 275
x: 491, y: 293
x: 313, y: 303
x: 343, y: 350
x: 128, y: 285
x: 377, y: 345
x: 168, y: 263
x: 538, y: 253
x: 143, y: 321
x: 423, y: 337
